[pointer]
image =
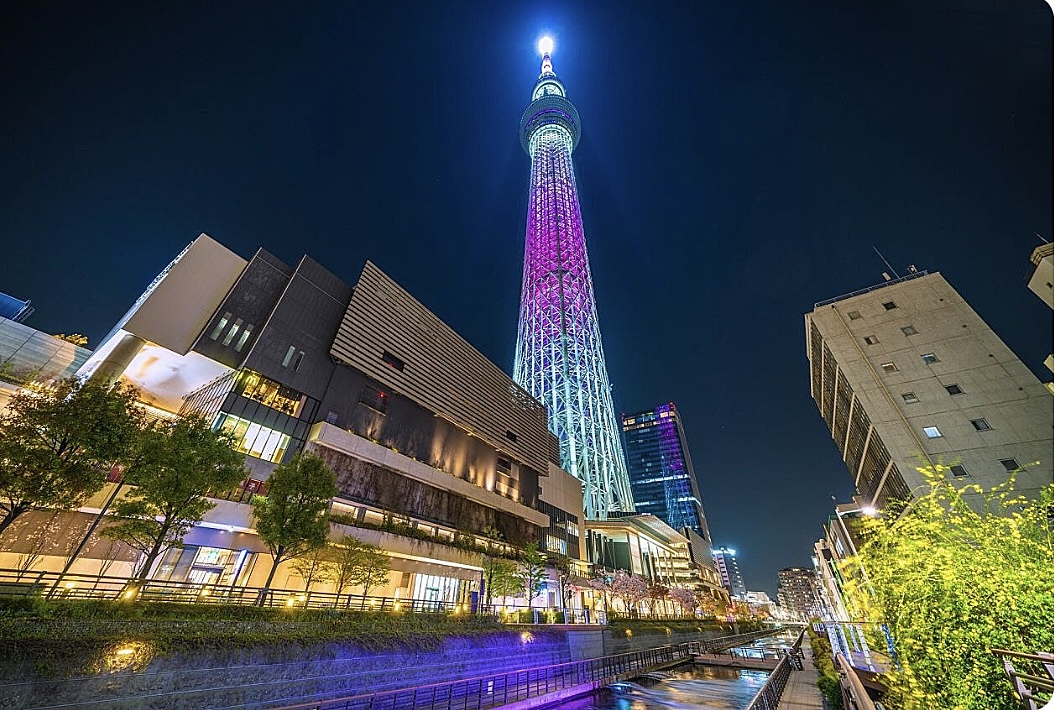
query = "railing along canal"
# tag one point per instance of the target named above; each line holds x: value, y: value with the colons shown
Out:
x: 770, y: 695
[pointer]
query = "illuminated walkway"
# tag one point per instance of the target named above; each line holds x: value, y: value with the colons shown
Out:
x: 801, y: 691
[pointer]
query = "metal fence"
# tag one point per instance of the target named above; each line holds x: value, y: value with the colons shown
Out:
x: 770, y: 695
x: 14, y: 582
x: 503, y: 689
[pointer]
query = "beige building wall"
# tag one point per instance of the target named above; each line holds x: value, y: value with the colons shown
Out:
x: 899, y: 351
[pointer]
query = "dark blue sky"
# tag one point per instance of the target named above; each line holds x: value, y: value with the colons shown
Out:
x: 737, y: 163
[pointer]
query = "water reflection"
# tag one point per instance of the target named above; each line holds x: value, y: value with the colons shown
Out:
x: 687, y: 687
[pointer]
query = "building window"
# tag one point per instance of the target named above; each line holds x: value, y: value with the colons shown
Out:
x: 392, y: 361
x: 289, y: 356
x: 231, y: 333
x: 889, y: 367
x: 909, y: 330
x: 511, y: 435
x: 375, y: 399
x: 890, y: 305
x: 221, y: 324
x: 502, y: 464
x: 871, y: 340
x: 1010, y: 465
x: 243, y: 338
x: 910, y: 397
x: 297, y: 360
x: 932, y: 432
x: 929, y: 358
x: 981, y: 425
x: 959, y: 471
x: 854, y: 315
x: 253, y: 439
x: 953, y: 389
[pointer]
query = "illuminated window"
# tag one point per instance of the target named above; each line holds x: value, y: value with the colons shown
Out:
x: 243, y: 338
x: 1010, y: 465
x: 959, y: 471
x: 231, y: 333
x: 890, y: 305
x: 375, y: 399
x: 932, y: 432
x: 889, y: 367
x: 392, y: 361
x: 289, y: 356
x: 909, y: 330
x: 270, y: 393
x: 220, y: 326
x: 910, y: 397
x: 929, y: 358
x: 953, y: 389
x: 255, y: 440
x: 854, y: 315
x: 871, y: 340
x: 981, y: 425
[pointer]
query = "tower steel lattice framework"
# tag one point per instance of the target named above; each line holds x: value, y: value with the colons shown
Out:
x: 559, y: 357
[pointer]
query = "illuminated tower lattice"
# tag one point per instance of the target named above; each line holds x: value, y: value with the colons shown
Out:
x: 559, y: 356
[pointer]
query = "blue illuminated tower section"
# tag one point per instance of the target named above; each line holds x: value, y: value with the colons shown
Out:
x: 559, y: 357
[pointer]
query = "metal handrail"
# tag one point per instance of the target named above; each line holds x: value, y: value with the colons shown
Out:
x: 861, y: 291
x: 769, y: 696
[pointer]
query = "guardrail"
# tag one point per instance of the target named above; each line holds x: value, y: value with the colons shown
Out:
x: 81, y: 586
x: 506, y: 688
x: 770, y: 695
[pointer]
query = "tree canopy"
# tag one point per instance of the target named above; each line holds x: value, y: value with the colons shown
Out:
x: 532, y: 572
x: 58, y: 442
x: 292, y: 519
x: 952, y: 583
x: 174, y: 466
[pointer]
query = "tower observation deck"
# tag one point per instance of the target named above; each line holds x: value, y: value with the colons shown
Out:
x: 559, y: 357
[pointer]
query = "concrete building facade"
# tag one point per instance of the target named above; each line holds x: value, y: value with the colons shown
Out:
x: 798, y: 592
x: 907, y: 377
x: 726, y: 562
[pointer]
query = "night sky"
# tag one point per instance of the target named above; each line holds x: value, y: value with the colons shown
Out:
x: 738, y: 162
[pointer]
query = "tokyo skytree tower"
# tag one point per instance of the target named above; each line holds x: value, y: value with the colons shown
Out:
x: 559, y: 357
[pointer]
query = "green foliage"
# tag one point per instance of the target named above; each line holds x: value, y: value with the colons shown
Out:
x: 531, y: 570
x: 174, y: 466
x: 952, y: 583
x: 317, y: 567
x: 828, y: 681
x: 73, y: 338
x: 292, y: 520
x: 358, y: 563
x: 501, y: 578
x: 57, y: 443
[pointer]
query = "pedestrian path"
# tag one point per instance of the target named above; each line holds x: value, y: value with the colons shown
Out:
x: 801, y: 692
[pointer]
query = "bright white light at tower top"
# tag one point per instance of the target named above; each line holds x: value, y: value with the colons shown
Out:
x: 546, y: 45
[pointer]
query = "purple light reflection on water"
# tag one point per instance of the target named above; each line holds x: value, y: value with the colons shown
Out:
x: 689, y: 687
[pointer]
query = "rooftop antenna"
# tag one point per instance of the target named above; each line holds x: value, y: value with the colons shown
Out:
x: 1042, y: 239
x: 890, y: 269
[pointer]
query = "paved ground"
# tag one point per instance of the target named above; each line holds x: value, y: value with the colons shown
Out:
x: 801, y: 693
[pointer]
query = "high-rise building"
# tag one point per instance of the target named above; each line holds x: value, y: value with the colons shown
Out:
x: 559, y: 357
x: 798, y: 592
x: 726, y: 561
x: 909, y: 378
x: 16, y: 309
x: 1040, y: 282
x: 661, y: 473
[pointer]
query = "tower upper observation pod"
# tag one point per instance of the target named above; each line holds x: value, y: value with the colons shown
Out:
x: 549, y: 106
x: 559, y: 357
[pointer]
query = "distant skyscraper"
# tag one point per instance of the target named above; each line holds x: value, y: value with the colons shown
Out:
x: 906, y: 375
x: 559, y: 357
x: 726, y: 560
x: 662, y: 476
x: 797, y: 592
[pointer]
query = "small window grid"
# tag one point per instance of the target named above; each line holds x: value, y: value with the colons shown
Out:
x: 953, y: 389
x: 910, y: 398
x: 889, y: 367
x: 221, y: 324
x: 890, y: 305
x: 854, y: 315
x: 871, y: 340
x: 980, y: 424
x: 932, y: 432
x: 1010, y: 465
x: 909, y: 330
x: 929, y: 358
x: 959, y: 471
x: 392, y: 361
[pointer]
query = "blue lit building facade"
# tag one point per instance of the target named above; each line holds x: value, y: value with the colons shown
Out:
x: 663, y: 482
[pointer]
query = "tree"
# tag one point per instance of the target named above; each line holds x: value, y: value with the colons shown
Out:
x: 631, y: 588
x: 57, y: 443
x: 531, y: 571
x: 655, y: 593
x: 316, y: 567
x: 292, y: 520
x: 501, y: 578
x: 684, y: 598
x: 74, y: 338
x: 174, y: 466
x: 952, y: 583
x: 357, y: 562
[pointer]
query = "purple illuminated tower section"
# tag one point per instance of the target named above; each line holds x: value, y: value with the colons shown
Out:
x: 559, y: 357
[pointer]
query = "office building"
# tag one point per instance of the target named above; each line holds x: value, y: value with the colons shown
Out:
x: 559, y: 357
x: 726, y: 562
x: 16, y: 309
x: 1040, y: 282
x: 663, y: 481
x: 907, y: 377
x: 798, y: 593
